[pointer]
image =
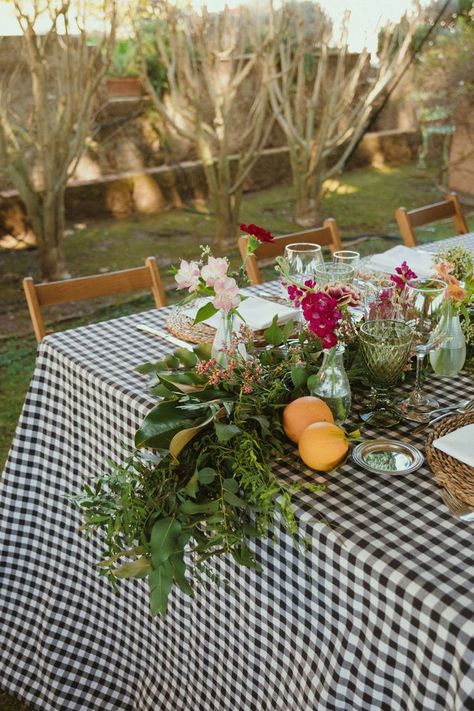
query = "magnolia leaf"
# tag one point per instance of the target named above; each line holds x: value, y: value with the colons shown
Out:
x: 190, y: 508
x: 206, y: 475
x: 164, y: 540
x: 181, y: 439
x: 171, y: 361
x: 136, y: 569
x: 162, y: 423
x: 161, y: 390
x: 146, y: 368
x: 205, y: 312
x: 160, y: 582
x: 226, y: 432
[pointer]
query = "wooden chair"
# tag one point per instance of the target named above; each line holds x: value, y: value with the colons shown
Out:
x: 408, y: 220
x: 326, y: 236
x: 60, y: 292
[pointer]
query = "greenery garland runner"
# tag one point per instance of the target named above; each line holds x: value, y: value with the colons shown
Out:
x: 209, y: 487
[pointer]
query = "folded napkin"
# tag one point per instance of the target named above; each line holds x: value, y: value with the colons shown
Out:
x: 420, y: 262
x: 257, y: 313
x: 458, y: 444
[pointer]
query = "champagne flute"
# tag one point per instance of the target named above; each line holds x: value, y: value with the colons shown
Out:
x: 425, y: 303
x: 347, y: 256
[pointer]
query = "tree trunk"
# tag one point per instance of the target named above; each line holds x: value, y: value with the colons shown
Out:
x: 308, y: 196
x: 48, y: 226
x: 226, y: 231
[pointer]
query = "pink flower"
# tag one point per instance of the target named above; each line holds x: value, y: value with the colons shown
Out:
x: 227, y: 294
x: 323, y: 316
x: 404, y: 274
x: 188, y: 275
x: 215, y: 269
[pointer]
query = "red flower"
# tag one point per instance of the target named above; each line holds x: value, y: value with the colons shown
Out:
x: 259, y: 232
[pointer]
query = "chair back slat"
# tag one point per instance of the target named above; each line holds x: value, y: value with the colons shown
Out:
x: 409, y: 219
x: 92, y: 287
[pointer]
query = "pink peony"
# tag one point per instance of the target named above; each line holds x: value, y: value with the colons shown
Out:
x: 215, y: 269
x: 187, y: 276
x: 227, y: 294
x: 345, y: 294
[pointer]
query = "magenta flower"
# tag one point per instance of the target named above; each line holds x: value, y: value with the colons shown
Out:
x: 259, y: 232
x: 404, y: 274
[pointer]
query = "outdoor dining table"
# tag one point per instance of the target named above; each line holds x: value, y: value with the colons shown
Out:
x: 376, y: 613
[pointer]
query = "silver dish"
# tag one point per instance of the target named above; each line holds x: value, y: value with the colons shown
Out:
x: 387, y: 456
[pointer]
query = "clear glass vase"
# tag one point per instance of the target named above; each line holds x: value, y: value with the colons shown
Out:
x: 449, y: 359
x: 332, y: 385
x: 225, y: 338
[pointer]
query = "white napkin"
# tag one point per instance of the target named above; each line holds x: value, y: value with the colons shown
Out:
x: 458, y: 444
x: 420, y: 262
x: 257, y: 313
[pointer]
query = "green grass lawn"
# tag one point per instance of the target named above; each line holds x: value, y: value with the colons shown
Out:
x: 362, y: 202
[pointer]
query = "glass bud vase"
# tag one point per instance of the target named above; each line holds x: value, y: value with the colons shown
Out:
x: 224, y: 337
x: 331, y: 383
x: 450, y: 357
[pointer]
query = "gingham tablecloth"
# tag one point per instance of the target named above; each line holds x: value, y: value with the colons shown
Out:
x: 376, y: 614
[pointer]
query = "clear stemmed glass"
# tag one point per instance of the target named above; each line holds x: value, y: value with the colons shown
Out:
x: 385, y: 345
x: 425, y: 303
x: 347, y: 256
x: 302, y: 259
x: 380, y: 300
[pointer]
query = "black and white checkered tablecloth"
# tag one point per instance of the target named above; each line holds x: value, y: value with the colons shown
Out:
x: 377, y: 614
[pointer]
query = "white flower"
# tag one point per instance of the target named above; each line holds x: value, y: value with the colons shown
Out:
x: 227, y: 294
x: 188, y: 275
x: 215, y: 269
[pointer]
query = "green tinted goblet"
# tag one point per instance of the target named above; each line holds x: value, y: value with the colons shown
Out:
x: 385, y: 345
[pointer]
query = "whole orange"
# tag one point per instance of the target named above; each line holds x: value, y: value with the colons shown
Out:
x: 323, y: 446
x: 302, y: 412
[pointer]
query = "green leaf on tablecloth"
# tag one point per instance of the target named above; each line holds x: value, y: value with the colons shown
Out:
x: 179, y: 569
x: 164, y: 540
x: 164, y: 421
x: 160, y: 582
x: 162, y: 391
x: 192, y: 486
x: 136, y: 569
x: 181, y: 439
x: 243, y: 556
x: 273, y: 334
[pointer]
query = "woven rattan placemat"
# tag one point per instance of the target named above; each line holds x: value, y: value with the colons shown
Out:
x: 449, y: 472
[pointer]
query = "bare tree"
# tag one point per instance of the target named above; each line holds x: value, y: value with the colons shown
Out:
x: 216, y: 99
x: 323, y: 98
x: 40, y: 149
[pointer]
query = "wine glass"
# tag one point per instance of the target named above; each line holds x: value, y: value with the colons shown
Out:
x: 334, y: 273
x: 385, y: 345
x: 302, y: 259
x: 347, y: 256
x: 425, y: 303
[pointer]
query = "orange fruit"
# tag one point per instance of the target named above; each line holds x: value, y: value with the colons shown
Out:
x: 323, y: 446
x: 302, y: 412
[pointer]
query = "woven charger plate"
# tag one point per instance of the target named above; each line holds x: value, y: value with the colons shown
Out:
x: 449, y: 472
x: 183, y: 326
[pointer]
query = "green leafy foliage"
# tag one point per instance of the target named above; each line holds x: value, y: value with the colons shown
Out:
x: 210, y: 488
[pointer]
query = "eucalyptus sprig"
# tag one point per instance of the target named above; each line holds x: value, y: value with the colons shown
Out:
x: 209, y: 487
